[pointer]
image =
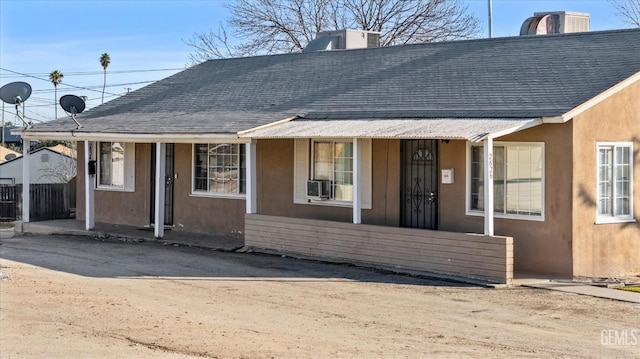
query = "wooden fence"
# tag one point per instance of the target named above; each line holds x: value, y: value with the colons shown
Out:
x: 48, y: 201
x: 8, y: 202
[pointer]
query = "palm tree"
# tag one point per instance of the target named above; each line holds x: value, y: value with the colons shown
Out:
x: 56, y: 78
x: 105, y: 60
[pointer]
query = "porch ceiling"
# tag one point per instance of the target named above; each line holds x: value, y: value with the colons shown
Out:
x: 469, y: 129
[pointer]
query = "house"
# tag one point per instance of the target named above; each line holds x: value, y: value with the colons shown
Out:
x: 55, y: 164
x: 469, y: 158
x: 8, y: 139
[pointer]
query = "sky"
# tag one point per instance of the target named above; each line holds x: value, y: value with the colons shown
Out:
x: 146, y: 41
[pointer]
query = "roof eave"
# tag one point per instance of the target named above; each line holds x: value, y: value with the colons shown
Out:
x: 508, y: 131
x: 132, y: 137
x: 247, y: 133
x: 595, y: 100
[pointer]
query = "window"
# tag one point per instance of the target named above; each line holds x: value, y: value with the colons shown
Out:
x: 518, y: 185
x: 615, y: 187
x: 115, y: 164
x: 333, y: 161
x: 219, y: 168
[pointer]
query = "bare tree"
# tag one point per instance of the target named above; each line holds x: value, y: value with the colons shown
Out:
x: 280, y: 26
x: 61, y: 170
x: 629, y: 10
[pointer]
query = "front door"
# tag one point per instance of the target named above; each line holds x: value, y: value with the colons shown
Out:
x: 419, y: 183
x: 168, y: 188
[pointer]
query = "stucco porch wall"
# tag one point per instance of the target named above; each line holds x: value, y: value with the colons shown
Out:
x: 486, y: 258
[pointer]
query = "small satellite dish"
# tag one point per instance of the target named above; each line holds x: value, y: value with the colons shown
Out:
x: 16, y: 93
x: 10, y: 156
x: 72, y: 105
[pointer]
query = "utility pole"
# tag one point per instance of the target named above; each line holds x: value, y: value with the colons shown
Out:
x: 490, y: 18
x: 2, y: 123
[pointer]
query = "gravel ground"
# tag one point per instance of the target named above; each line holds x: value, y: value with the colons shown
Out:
x: 78, y: 297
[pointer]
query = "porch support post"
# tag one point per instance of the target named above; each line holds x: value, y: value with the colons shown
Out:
x: 26, y: 180
x: 89, y: 188
x: 488, y: 186
x: 251, y: 185
x: 357, y: 198
x: 161, y: 150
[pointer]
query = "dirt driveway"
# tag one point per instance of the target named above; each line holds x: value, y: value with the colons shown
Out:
x: 78, y: 297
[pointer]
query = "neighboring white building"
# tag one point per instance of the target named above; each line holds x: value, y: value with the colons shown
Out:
x: 55, y: 164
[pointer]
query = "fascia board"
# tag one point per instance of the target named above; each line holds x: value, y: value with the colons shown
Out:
x: 134, y: 137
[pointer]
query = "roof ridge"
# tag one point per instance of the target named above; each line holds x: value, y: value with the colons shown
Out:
x: 434, y: 43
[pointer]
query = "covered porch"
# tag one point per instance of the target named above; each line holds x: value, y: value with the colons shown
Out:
x: 457, y: 253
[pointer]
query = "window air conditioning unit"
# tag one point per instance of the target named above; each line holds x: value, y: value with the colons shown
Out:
x: 318, y: 189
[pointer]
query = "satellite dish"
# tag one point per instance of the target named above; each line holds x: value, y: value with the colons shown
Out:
x: 72, y: 105
x: 16, y: 93
x: 10, y: 156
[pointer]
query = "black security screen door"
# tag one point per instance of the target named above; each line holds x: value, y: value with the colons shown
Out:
x: 419, y: 183
x: 168, y: 189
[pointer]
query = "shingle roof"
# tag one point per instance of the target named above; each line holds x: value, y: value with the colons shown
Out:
x: 6, y: 154
x: 64, y: 150
x: 514, y: 77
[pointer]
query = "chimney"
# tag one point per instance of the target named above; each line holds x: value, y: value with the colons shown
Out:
x: 343, y: 39
x: 555, y: 22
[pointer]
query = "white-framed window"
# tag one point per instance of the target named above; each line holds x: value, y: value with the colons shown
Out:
x: 219, y: 168
x: 518, y: 180
x: 615, y: 182
x: 332, y: 160
x: 116, y: 161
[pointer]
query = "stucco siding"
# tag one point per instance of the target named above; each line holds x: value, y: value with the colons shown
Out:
x: 602, y: 250
x: 120, y: 207
x: 275, y: 167
x: 539, y: 246
x: 202, y: 214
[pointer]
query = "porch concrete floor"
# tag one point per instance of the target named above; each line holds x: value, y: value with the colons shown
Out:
x: 171, y: 237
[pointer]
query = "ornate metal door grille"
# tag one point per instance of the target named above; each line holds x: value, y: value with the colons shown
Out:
x: 419, y: 183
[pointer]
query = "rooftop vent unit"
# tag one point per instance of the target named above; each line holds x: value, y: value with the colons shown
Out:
x: 555, y: 22
x: 343, y: 39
